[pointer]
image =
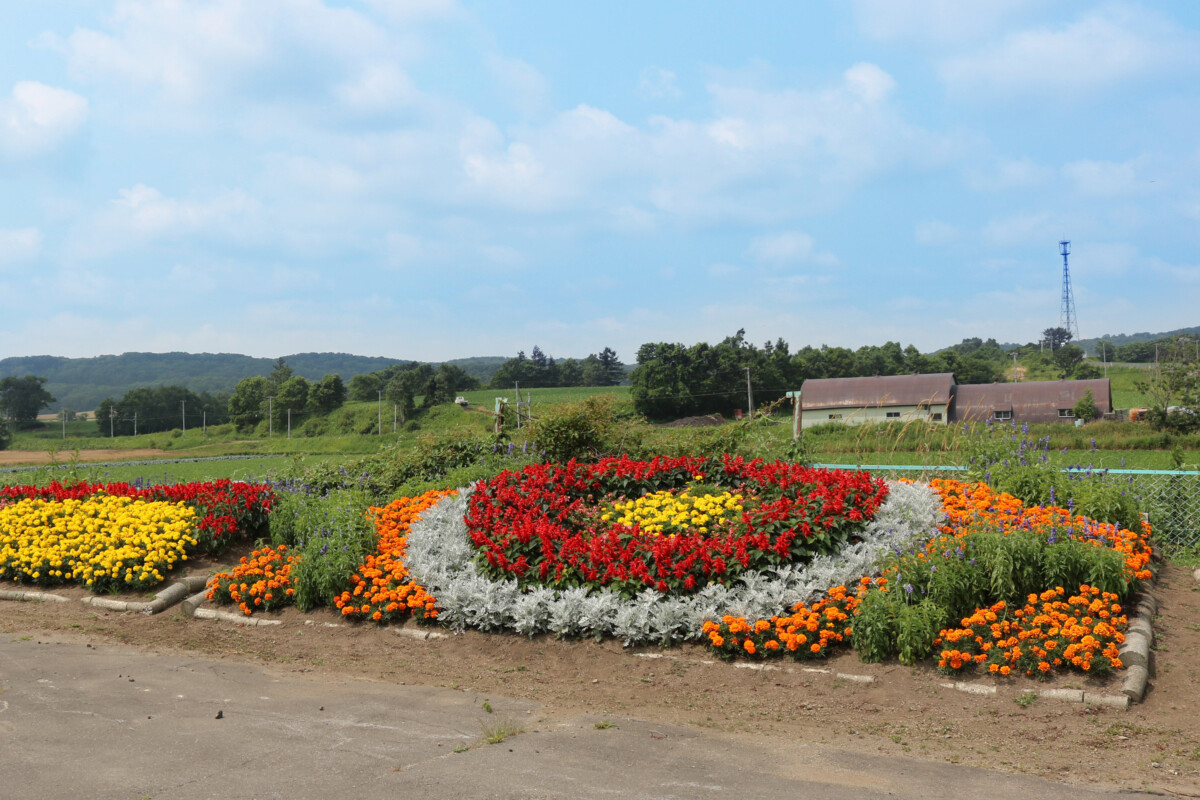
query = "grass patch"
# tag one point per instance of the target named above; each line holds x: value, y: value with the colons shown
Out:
x: 500, y: 730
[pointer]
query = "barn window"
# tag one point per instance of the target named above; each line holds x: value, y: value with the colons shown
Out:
x: 1002, y: 415
x: 893, y: 415
x: 1066, y: 413
x: 936, y: 416
x: 835, y: 416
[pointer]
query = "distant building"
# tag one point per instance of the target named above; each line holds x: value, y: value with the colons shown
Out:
x: 1029, y: 401
x: 884, y: 398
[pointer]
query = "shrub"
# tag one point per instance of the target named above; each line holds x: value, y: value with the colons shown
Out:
x: 332, y: 536
x: 1085, y: 407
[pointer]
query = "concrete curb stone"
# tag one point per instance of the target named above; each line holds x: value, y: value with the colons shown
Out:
x: 21, y: 596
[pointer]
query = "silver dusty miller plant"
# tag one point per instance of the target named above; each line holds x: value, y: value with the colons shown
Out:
x: 440, y: 558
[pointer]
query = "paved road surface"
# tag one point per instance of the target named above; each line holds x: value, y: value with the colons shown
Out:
x: 112, y: 722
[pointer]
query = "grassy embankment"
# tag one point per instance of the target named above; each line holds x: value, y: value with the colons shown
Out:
x: 353, y: 431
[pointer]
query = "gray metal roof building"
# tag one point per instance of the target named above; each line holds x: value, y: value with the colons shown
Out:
x: 1029, y: 401
x: 881, y: 390
x: 878, y: 399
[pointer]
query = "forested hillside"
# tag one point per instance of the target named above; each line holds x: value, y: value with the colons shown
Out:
x: 82, y: 383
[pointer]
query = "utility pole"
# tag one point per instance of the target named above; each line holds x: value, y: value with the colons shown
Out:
x: 112, y: 413
x: 270, y: 416
x: 135, y: 423
x: 289, y: 423
x: 183, y: 413
x: 517, y: 385
x: 749, y: 394
x: 796, y: 412
x: 204, y: 422
x: 379, y: 425
x: 1015, y: 378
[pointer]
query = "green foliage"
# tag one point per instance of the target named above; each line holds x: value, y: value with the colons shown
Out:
x: 397, y: 465
x: 1006, y: 459
x: 21, y: 399
x: 875, y: 627
x: 162, y: 408
x: 1055, y: 338
x: 291, y: 395
x: 6, y: 435
x: 540, y: 370
x: 365, y: 387
x: 1026, y: 699
x: 1085, y: 407
x: 892, y: 625
x: 280, y: 374
x: 583, y: 431
x: 917, y: 626
x: 1068, y: 358
x: 248, y: 405
x: 327, y: 394
x: 929, y: 587
x: 82, y: 383
x: 331, y: 532
x: 1174, y: 388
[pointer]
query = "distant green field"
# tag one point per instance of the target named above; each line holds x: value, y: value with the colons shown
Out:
x: 566, y: 394
x: 241, y: 469
x: 1117, y: 444
x: 1123, y: 459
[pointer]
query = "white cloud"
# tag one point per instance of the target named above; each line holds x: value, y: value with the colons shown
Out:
x: 933, y: 233
x: 869, y: 82
x: 1109, y: 259
x: 410, y: 11
x: 144, y: 211
x: 142, y: 215
x: 36, y: 118
x: 1113, y: 43
x: 723, y: 271
x: 631, y: 219
x: 1022, y: 229
x: 790, y: 247
x: 520, y: 83
x: 1009, y: 173
x: 18, y: 245
x: 315, y: 177
x: 211, y: 53
x: 656, y: 83
x: 944, y: 21
x: 1108, y: 179
x: 376, y: 89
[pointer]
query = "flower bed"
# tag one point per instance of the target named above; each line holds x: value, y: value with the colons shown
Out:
x: 1000, y: 567
x: 102, y: 542
x: 224, y: 509
x: 1082, y: 632
x: 808, y: 632
x: 383, y: 590
x: 442, y: 558
x: 261, y: 582
x: 574, y: 525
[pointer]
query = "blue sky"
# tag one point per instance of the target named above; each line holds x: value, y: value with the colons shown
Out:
x: 433, y: 179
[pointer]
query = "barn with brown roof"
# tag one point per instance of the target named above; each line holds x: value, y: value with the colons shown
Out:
x: 883, y: 398
x: 1029, y: 401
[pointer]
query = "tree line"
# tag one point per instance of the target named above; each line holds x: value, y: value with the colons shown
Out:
x: 673, y: 380
x: 539, y: 370
x: 669, y: 380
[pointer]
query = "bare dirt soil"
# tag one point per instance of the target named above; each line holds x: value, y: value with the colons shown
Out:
x: 1153, y: 746
x: 20, y: 458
